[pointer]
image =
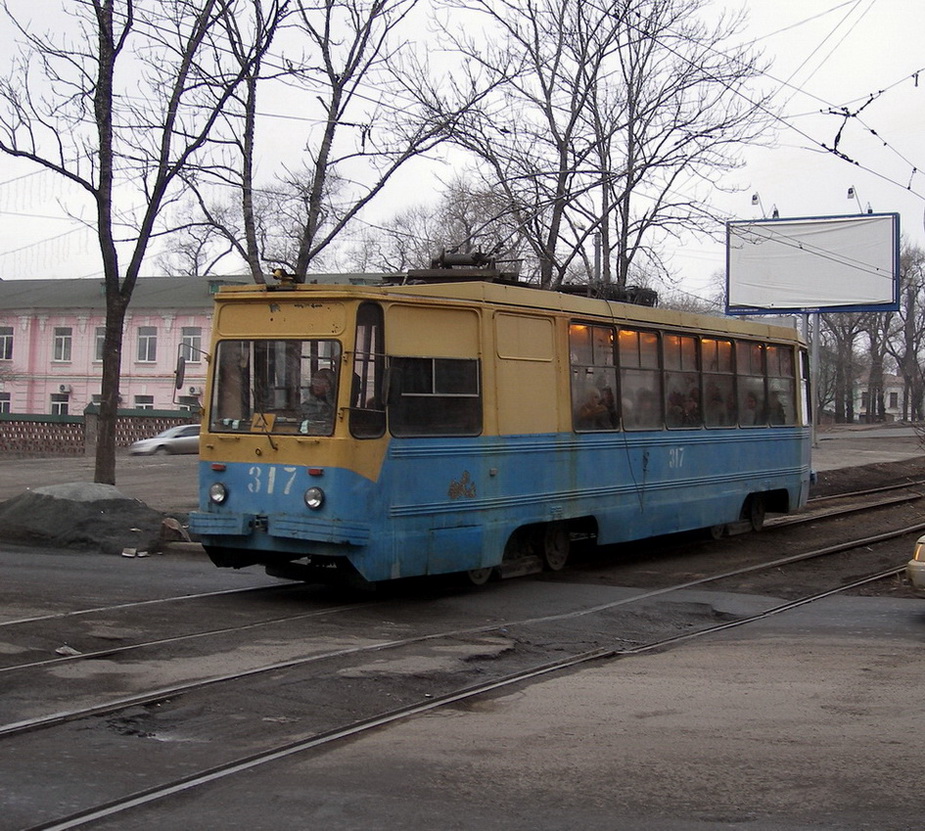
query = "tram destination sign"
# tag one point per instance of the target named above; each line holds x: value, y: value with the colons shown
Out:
x: 813, y: 264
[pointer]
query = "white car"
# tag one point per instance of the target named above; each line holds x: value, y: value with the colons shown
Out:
x: 915, y: 569
x: 182, y: 439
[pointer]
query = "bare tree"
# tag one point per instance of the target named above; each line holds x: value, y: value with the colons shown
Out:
x: 467, y: 218
x: 239, y: 225
x: 603, y: 112
x: 843, y: 329
x: 877, y: 327
x: 373, y: 108
x: 195, y: 248
x: 541, y: 55
x: 122, y: 109
x: 907, y: 339
x: 689, y: 107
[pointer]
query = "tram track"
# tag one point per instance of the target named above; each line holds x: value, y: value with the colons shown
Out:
x: 911, y: 483
x: 375, y: 645
x: 137, y: 604
x: 166, y: 692
x: 325, y: 739
x: 529, y: 639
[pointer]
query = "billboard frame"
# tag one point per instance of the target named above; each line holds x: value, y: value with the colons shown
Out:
x: 733, y: 226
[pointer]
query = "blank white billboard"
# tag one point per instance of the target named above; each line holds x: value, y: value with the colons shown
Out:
x: 840, y: 263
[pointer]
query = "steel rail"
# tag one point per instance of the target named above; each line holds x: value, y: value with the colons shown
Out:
x: 162, y: 693
x: 118, y: 650
x: 777, y: 522
x: 141, y: 603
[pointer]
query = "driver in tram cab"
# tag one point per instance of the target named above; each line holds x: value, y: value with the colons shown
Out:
x: 318, y: 404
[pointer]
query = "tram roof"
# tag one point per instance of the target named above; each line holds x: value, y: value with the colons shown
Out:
x: 527, y: 297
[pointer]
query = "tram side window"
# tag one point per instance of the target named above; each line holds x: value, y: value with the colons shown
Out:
x: 594, y: 377
x: 781, y: 386
x: 719, y: 401
x: 640, y: 380
x: 367, y: 409
x: 434, y: 397
x: 682, y: 382
x: 750, y: 371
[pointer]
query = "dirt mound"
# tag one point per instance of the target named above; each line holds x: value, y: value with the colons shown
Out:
x: 82, y: 516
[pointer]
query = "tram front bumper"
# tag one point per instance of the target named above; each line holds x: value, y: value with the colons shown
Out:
x: 315, y: 529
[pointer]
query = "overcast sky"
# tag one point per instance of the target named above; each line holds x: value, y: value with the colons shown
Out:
x: 828, y: 58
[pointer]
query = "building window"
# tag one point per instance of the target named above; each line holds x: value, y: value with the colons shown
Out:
x: 5, y: 402
x: 190, y: 403
x: 191, y: 341
x: 894, y: 400
x: 59, y: 403
x: 144, y: 402
x: 147, y: 344
x: 6, y: 344
x: 100, y: 338
x: 62, y: 343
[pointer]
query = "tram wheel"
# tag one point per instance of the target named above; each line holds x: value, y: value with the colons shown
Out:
x: 754, y: 511
x: 479, y: 576
x: 556, y: 546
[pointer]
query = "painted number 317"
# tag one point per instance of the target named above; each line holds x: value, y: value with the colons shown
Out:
x: 271, y: 479
x: 675, y: 457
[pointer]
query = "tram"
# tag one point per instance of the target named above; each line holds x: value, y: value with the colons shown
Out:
x: 476, y: 426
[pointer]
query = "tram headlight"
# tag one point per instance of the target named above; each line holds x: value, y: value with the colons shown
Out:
x: 218, y: 493
x: 314, y: 498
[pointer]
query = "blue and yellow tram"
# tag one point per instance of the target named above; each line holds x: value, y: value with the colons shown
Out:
x: 473, y: 427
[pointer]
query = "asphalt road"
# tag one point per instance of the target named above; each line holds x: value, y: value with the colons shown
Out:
x: 811, y: 719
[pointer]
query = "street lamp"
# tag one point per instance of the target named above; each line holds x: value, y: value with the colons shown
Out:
x: 853, y: 194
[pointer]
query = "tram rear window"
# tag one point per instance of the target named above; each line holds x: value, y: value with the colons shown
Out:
x: 434, y: 397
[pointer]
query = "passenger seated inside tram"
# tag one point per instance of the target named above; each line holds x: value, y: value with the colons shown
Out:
x: 318, y: 404
x: 716, y: 410
x: 750, y: 414
x: 646, y: 412
x: 776, y: 412
x: 610, y: 402
x: 594, y: 414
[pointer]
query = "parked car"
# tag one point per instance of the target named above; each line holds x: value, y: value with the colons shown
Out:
x: 182, y: 439
x: 916, y: 568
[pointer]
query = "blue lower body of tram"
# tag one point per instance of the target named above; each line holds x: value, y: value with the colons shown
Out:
x: 445, y: 505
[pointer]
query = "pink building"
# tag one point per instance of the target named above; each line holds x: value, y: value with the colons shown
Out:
x: 51, y: 340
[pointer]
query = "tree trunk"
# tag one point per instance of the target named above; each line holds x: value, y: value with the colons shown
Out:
x: 109, y: 402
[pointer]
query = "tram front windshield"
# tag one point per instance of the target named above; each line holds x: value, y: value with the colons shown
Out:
x: 275, y: 386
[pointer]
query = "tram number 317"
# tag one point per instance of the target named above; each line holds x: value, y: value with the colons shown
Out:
x: 675, y: 457
x: 271, y: 479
